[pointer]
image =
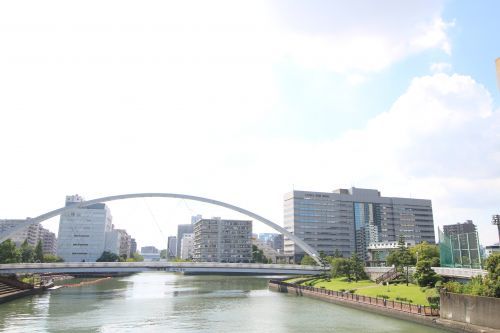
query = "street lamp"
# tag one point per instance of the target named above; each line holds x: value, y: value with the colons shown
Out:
x: 495, y: 220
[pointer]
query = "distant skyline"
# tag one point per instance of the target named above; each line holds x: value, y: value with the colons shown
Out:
x: 243, y: 101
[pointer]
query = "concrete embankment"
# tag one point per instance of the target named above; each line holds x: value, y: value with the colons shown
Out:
x: 415, y: 313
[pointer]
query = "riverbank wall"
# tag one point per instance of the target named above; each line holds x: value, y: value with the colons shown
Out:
x: 415, y: 313
x: 469, y: 309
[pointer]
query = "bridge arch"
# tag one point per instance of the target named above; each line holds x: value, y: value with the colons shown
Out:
x: 299, y: 242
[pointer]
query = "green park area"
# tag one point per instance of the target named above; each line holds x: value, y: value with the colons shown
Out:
x: 411, y: 293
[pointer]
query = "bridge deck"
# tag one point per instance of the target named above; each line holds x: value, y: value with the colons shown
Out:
x: 132, y: 267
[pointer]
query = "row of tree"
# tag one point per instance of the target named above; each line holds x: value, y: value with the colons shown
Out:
x: 11, y: 254
x: 108, y: 256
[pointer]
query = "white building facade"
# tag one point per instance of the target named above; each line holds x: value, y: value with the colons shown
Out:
x: 82, y: 231
x: 187, y: 246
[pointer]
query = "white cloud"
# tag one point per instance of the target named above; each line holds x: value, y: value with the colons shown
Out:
x: 440, y: 67
x: 360, y: 36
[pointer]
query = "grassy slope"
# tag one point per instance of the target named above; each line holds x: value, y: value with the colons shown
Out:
x: 369, y: 288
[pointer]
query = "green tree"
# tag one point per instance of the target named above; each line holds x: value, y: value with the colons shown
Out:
x: 492, y: 280
x: 426, y: 251
x: 401, y: 258
x: 340, y: 267
x: 425, y: 275
x: 52, y: 258
x: 27, y: 252
x: 163, y: 254
x: 38, y: 252
x: 109, y: 257
x: 307, y: 260
x: 357, y: 267
x: 8, y: 252
x: 338, y: 254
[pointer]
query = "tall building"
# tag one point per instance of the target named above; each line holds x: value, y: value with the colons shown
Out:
x: 187, y: 246
x: 348, y: 220
x: 133, y: 246
x: 196, y: 218
x: 82, y: 231
x: 32, y: 234
x: 459, y: 246
x: 217, y: 240
x: 171, y: 247
x: 181, y: 230
x: 119, y: 242
x: 49, y: 242
x: 459, y: 228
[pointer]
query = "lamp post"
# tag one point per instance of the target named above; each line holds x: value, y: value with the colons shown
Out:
x: 495, y: 220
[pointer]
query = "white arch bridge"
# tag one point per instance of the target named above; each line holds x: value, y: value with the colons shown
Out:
x: 20, y: 224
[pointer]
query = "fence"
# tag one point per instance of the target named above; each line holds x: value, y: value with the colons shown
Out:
x: 422, y: 310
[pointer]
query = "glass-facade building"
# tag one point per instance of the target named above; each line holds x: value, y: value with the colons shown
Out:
x: 348, y: 220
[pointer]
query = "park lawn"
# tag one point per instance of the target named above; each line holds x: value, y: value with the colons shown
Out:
x: 370, y: 288
x: 342, y: 283
x: 411, y: 291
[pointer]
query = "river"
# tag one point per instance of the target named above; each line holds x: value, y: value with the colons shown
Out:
x: 167, y: 302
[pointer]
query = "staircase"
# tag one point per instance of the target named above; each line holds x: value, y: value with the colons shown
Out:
x: 388, y: 276
x: 6, y: 289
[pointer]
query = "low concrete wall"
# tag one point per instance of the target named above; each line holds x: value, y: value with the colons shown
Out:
x: 476, y: 310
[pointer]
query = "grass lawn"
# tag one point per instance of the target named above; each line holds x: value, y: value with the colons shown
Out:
x: 342, y: 283
x: 370, y: 288
x: 412, y: 292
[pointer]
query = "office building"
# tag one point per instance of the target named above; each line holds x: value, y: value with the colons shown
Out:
x: 187, y: 246
x: 171, y: 247
x: 119, y: 242
x: 348, y: 220
x: 217, y: 240
x: 150, y: 253
x: 82, y: 231
x: 181, y: 230
x: 133, y: 246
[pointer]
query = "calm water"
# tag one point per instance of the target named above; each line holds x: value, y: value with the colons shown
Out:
x: 165, y: 302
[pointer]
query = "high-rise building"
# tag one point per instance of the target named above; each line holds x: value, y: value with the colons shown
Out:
x: 32, y: 234
x: 119, y: 242
x: 217, y: 240
x: 133, y: 246
x: 196, y: 218
x: 187, y: 246
x: 171, y: 247
x: 348, y: 220
x: 82, y: 231
x: 459, y: 228
x: 181, y: 230
x: 49, y: 242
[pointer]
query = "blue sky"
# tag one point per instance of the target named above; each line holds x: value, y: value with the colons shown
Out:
x: 242, y: 101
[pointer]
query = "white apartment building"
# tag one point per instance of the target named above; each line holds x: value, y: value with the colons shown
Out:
x: 32, y: 234
x: 187, y: 246
x: 82, y: 231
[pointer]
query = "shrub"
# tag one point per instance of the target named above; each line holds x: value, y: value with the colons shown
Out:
x: 342, y: 290
x: 352, y: 291
x: 383, y: 296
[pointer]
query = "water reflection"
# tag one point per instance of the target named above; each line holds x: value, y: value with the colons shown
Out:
x: 159, y: 302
